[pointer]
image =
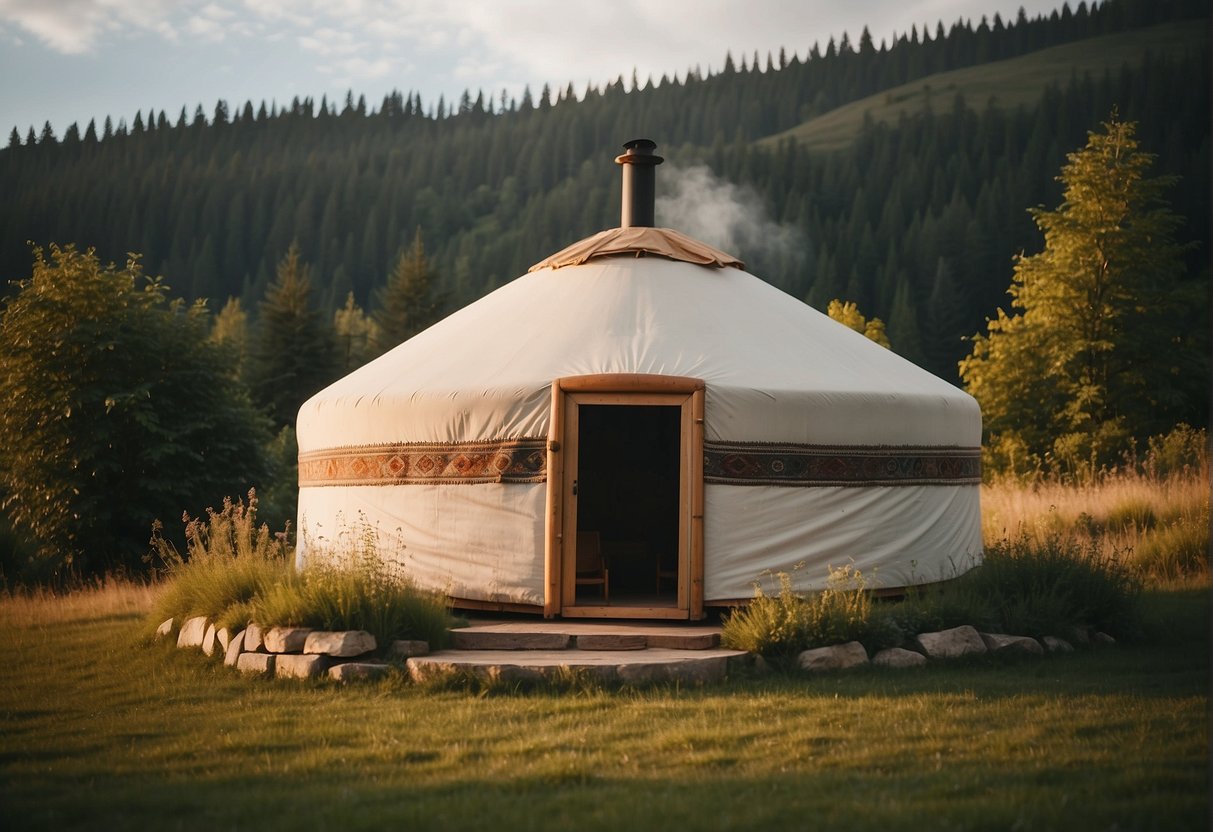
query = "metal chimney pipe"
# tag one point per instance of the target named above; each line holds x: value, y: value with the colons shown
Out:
x: 639, y: 183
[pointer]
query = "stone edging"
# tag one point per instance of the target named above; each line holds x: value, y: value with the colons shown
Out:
x: 300, y: 653
x: 945, y: 644
x: 292, y: 652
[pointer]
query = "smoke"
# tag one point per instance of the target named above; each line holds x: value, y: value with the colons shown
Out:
x: 734, y: 219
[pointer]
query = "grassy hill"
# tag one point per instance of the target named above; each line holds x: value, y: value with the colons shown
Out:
x: 1011, y: 83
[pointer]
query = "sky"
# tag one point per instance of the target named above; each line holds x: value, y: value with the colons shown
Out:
x: 67, y: 61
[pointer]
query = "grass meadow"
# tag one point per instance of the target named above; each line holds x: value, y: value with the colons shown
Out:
x: 100, y: 729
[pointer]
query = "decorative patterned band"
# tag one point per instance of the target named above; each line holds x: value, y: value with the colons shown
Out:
x: 507, y: 460
x: 725, y: 463
x: 752, y: 463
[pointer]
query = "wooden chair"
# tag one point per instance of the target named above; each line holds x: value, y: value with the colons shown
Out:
x: 591, y: 566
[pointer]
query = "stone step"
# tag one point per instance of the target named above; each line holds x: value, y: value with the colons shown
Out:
x: 655, y: 664
x: 566, y: 635
x: 491, y: 640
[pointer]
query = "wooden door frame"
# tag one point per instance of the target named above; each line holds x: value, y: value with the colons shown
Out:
x: 623, y: 389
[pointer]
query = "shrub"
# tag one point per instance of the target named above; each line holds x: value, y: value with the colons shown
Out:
x: 1022, y: 587
x: 1182, y: 449
x: 1133, y: 513
x: 356, y: 589
x: 787, y: 623
x: 1175, y: 551
x: 229, y: 561
x: 1029, y: 588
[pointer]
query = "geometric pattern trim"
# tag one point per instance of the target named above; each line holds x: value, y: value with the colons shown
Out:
x: 416, y: 463
x: 754, y: 463
x: 725, y: 463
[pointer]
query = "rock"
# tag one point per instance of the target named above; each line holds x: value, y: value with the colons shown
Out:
x: 285, y: 639
x: 223, y: 637
x: 192, y: 632
x: 835, y: 657
x: 1080, y: 636
x: 999, y: 643
x: 1101, y: 639
x: 1057, y: 645
x: 299, y: 666
x: 254, y: 638
x: 235, y: 647
x: 208, y: 640
x: 262, y: 663
x: 899, y: 657
x: 407, y: 648
x: 611, y: 641
x: 351, y: 671
x: 345, y: 643
x: 165, y: 628
x: 951, y: 644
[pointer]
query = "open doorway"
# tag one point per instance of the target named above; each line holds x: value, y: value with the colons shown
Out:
x: 627, y: 504
x: 625, y: 498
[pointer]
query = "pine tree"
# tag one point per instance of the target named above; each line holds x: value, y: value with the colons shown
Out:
x: 903, y: 324
x: 1098, y: 352
x: 294, y: 354
x: 407, y: 304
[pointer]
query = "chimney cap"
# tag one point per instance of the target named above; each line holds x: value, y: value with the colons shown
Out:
x: 639, y: 152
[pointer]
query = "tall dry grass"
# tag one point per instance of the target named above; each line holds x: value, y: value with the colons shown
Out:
x: 1157, y: 522
x: 104, y: 598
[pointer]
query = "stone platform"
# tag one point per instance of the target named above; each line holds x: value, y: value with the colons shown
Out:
x: 528, y: 651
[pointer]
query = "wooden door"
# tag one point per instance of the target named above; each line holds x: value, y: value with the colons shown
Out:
x: 640, y: 438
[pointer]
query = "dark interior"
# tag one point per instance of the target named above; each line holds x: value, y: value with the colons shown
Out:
x: 627, y: 491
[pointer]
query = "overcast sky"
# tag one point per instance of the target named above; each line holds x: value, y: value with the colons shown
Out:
x: 72, y: 60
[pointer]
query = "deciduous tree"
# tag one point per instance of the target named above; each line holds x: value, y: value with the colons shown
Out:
x: 848, y: 314
x: 118, y: 411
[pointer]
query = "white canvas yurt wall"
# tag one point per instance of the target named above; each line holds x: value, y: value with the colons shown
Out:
x: 820, y: 446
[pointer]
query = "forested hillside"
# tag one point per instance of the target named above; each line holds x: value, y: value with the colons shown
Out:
x: 917, y: 219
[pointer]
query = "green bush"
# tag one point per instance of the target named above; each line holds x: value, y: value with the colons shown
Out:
x: 229, y: 561
x: 1021, y: 588
x: 1182, y: 449
x: 355, y: 589
x: 786, y: 623
x: 1176, y: 550
x: 1132, y: 514
x: 1038, y: 589
x: 235, y: 571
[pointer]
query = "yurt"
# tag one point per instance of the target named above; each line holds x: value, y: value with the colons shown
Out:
x: 639, y: 428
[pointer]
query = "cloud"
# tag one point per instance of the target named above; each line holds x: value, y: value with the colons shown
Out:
x: 362, y: 69
x: 75, y: 27
x: 326, y: 41
x: 211, y: 23
x: 280, y: 11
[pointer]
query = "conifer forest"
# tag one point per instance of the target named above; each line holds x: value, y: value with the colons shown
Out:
x: 916, y: 220
x: 913, y: 205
